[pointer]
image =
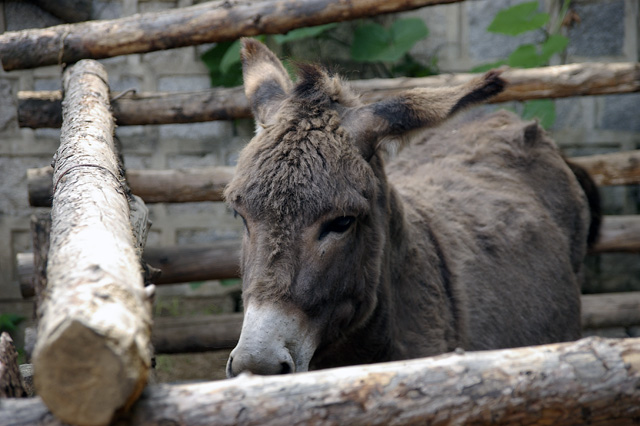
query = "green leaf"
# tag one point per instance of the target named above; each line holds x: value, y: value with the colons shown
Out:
x: 230, y: 281
x: 213, y: 56
x: 374, y: 43
x: 518, y: 19
x: 542, y: 109
x: 303, y: 33
x: 368, y: 41
x: 490, y: 66
x: 194, y: 285
x: 9, y: 322
x: 526, y: 56
x: 231, y: 57
x: 405, y: 33
x: 556, y: 43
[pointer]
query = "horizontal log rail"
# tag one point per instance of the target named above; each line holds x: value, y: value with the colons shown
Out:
x: 42, y: 109
x: 179, y: 264
x: 591, y: 381
x: 211, y: 332
x: 221, y: 259
x: 204, y: 23
x: 207, y: 184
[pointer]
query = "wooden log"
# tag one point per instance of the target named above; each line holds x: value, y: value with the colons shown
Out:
x: 208, y: 183
x: 220, y: 260
x: 618, y: 168
x: 11, y: 383
x: 592, y: 381
x: 204, y: 23
x: 610, y: 310
x: 42, y: 109
x: 179, y: 264
x: 204, y: 333
x: 153, y: 186
x: 92, y: 353
x: 195, y: 334
x: 619, y: 234
x: 40, y: 233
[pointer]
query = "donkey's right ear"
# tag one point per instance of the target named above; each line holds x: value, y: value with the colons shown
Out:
x: 266, y: 82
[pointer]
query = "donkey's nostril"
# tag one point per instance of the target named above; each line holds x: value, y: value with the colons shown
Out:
x: 285, y: 368
x: 230, y: 368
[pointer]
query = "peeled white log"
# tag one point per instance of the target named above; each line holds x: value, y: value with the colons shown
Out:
x: 92, y: 354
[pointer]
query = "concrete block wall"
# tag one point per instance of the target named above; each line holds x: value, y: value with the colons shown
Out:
x: 608, y: 32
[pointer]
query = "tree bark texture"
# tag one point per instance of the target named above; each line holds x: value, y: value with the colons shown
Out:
x: 610, y: 310
x: 40, y: 233
x: 220, y: 260
x: 11, y: 384
x: 592, y: 381
x: 42, y: 109
x: 618, y: 168
x: 208, y: 183
x: 177, y: 335
x: 92, y: 353
x: 177, y: 264
x: 619, y: 234
x: 204, y: 23
x: 153, y: 186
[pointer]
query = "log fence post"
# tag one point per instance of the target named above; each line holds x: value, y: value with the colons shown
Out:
x: 92, y: 353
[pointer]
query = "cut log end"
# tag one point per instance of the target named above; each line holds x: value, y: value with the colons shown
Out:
x: 82, y: 366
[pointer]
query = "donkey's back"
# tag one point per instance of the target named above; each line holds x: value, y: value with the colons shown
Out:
x: 511, y: 221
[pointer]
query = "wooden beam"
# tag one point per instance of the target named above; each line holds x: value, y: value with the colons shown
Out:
x: 210, y: 332
x: 591, y: 381
x: 41, y: 109
x: 618, y: 168
x: 610, y: 310
x: 619, y: 234
x: 176, y: 335
x: 204, y: 23
x: 207, y: 184
x: 220, y: 260
x: 11, y: 383
x: 153, y: 186
x: 92, y: 355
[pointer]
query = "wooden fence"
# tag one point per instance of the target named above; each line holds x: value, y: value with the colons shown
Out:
x: 92, y: 355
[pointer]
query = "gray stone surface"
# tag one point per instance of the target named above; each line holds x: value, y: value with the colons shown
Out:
x: 485, y: 46
x: 621, y: 112
x: 601, y: 30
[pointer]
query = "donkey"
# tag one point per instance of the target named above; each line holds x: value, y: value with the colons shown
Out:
x: 473, y: 239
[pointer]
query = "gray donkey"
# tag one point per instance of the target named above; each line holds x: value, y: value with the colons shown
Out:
x: 472, y: 237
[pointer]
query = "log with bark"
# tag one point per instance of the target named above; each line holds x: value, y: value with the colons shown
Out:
x: 618, y: 168
x: 178, y: 264
x: 177, y: 335
x: 209, y: 22
x: 153, y: 186
x: 592, y: 381
x: 42, y: 109
x: 11, y: 383
x: 220, y: 260
x: 92, y: 354
x: 207, y: 184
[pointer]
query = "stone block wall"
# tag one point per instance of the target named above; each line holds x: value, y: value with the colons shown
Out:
x: 608, y: 31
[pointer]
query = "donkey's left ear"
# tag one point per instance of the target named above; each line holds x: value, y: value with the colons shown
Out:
x: 417, y: 108
x: 266, y: 82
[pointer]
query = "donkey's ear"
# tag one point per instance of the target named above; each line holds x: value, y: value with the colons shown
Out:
x: 266, y: 82
x: 417, y: 108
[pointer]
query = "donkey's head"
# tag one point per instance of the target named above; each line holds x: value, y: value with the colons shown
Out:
x: 311, y: 190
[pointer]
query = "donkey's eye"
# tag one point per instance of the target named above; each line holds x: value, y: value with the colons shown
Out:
x: 236, y: 214
x: 339, y: 225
